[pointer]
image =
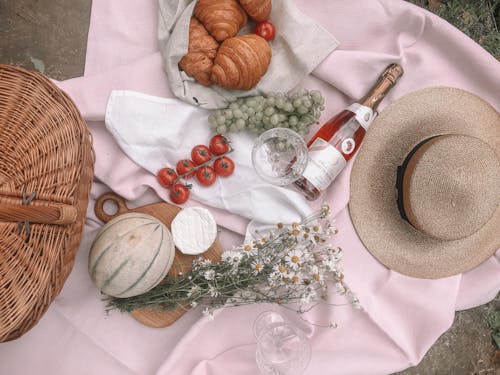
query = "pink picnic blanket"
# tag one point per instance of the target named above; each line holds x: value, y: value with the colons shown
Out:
x: 400, y: 318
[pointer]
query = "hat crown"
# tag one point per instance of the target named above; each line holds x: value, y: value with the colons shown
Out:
x: 451, y: 186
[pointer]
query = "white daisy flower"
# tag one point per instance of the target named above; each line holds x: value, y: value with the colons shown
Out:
x: 227, y: 256
x: 330, y: 264
x: 335, y: 253
x: 281, y: 269
x: 257, y: 267
x: 213, y: 291
x: 316, y: 274
x: 274, y: 278
x: 201, y: 263
x: 307, y: 256
x: 209, y: 274
x: 294, y: 258
x: 296, y: 278
x: 232, y: 257
x: 249, y: 250
x: 330, y: 230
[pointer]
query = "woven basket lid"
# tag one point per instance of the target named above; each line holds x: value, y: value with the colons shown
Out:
x: 46, y: 169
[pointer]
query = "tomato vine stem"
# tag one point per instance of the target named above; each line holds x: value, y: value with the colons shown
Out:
x: 196, y: 167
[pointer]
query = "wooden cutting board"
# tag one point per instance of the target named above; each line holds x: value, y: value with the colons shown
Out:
x: 182, y: 263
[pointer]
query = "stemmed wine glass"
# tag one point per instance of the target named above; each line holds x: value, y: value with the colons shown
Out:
x: 280, y: 156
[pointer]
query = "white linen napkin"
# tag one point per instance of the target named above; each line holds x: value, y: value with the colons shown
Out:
x: 158, y: 132
x: 300, y: 45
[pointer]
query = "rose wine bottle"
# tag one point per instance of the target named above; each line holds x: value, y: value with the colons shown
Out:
x: 339, y: 138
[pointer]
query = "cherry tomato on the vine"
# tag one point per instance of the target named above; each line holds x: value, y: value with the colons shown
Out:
x: 224, y: 166
x: 206, y: 176
x: 185, y: 166
x: 166, y: 177
x: 219, y: 145
x: 179, y: 193
x: 200, y: 154
x: 266, y: 30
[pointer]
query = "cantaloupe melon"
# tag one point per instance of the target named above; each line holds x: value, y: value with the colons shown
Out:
x: 130, y: 255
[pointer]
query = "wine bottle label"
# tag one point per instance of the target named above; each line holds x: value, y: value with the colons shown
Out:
x: 325, y: 163
x: 364, y: 115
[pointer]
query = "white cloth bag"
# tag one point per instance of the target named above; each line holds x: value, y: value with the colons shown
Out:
x: 300, y: 45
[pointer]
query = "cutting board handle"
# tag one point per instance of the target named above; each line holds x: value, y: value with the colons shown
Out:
x: 116, y: 199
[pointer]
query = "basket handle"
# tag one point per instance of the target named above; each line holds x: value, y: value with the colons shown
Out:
x: 60, y: 214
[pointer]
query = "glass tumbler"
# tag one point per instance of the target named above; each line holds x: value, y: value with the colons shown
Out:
x: 282, y: 348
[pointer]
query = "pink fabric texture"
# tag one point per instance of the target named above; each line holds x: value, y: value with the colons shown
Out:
x: 401, y: 317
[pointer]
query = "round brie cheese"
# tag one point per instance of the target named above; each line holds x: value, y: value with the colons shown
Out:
x: 194, y: 230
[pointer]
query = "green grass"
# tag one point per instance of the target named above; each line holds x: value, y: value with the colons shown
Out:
x: 479, y: 19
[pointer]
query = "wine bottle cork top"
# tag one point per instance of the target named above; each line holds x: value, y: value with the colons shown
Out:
x: 393, y: 72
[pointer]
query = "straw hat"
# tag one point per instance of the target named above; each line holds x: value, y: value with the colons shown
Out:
x: 425, y: 186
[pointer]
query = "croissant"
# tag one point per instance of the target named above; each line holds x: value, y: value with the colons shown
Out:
x: 198, y: 62
x: 241, y: 62
x: 259, y: 10
x: 222, y: 18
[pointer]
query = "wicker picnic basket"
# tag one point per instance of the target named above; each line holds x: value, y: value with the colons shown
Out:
x: 46, y: 169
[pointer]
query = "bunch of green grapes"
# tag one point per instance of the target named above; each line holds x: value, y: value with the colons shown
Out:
x: 296, y: 111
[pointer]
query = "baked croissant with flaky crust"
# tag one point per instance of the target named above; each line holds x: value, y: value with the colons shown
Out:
x: 222, y: 18
x: 241, y: 61
x: 259, y: 10
x: 199, y: 60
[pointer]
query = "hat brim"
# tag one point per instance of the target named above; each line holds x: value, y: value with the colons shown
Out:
x: 373, y: 197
